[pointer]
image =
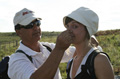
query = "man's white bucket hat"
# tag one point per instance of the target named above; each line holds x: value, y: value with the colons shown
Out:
x: 86, y: 17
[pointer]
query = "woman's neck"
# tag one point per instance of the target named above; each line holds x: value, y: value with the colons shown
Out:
x: 82, y: 49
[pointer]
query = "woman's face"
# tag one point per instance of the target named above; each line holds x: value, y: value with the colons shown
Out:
x: 78, y: 30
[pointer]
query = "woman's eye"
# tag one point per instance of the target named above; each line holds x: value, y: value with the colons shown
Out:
x: 75, y: 27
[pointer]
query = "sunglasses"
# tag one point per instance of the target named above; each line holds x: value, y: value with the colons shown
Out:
x: 29, y: 26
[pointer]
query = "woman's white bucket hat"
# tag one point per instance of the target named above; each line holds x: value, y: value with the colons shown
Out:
x: 86, y: 17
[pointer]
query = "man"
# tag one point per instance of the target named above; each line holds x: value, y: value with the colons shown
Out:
x: 45, y: 63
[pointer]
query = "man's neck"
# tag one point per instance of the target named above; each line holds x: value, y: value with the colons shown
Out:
x: 32, y: 45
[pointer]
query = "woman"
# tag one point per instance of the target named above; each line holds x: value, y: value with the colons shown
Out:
x: 83, y: 23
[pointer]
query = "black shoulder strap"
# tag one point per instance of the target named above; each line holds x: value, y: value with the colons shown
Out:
x: 48, y: 48
x: 29, y: 57
x: 68, y: 68
x: 90, y: 62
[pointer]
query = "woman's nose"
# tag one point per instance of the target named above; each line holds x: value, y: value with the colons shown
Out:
x: 69, y: 28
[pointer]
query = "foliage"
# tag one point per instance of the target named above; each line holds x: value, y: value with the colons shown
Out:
x: 6, y: 37
x: 111, y: 45
x: 62, y: 67
x: 49, y: 36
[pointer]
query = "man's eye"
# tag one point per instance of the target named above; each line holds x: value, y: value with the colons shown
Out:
x: 67, y: 26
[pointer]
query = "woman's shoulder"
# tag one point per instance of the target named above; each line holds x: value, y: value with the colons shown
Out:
x: 101, y: 57
x: 103, y: 67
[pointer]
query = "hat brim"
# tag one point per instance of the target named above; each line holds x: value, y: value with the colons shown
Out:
x: 94, y: 38
x: 64, y: 20
x: 29, y: 20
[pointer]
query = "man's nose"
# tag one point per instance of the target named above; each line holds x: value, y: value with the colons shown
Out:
x: 35, y: 26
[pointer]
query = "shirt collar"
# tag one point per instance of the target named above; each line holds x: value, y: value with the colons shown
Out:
x: 29, y: 51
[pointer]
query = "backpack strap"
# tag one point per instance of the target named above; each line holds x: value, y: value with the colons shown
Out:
x: 29, y: 57
x: 90, y: 62
x: 68, y: 68
x: 48, y: 48
x: 21, y: 51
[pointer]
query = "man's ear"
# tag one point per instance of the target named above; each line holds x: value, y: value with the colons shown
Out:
x: 18, y: 32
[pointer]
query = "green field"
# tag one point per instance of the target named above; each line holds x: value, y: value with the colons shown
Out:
x: 109, y: 41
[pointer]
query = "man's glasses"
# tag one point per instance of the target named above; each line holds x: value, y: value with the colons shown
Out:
x: 29, y: 26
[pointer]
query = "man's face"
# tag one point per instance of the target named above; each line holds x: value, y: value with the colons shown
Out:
x: 30, y: 35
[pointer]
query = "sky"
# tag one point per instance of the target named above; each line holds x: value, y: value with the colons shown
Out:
x: 53, y: 11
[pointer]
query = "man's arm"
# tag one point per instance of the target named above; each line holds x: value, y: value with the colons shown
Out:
x: 49, y: 68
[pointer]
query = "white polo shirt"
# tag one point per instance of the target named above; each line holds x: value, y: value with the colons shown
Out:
x: 20, y: 67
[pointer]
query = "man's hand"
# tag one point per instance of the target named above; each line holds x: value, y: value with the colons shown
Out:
x: 64, y: 40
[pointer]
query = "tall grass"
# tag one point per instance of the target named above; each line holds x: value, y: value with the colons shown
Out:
x: 111, y: 45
